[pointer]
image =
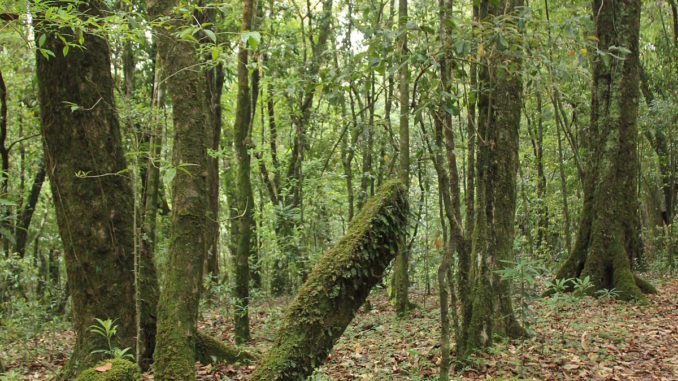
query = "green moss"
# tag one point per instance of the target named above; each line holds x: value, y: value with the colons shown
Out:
x: 209, y: 350
x: 121, y: 370
x: 644, y: 286
x: 98, y: 235
x: 174, y: 356
x: 337, y: 287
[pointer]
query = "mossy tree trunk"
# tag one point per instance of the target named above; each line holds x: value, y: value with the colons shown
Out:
x: 491, y: 310
x: 445, y: 163
x: 400, y: 278
x: 147, y: 277
x: 337, y: 287
x: 84, y: 158
x: 246, y: 223
x: 179, y: 297
x: 608, y: 233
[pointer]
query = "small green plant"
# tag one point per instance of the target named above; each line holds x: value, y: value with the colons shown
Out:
x: 557, y: 286
x: 523, y: 272
x: 608, y: 293
x: 581, y: 286
x: 107, y: 329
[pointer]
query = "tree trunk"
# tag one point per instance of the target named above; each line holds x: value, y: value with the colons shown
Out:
x: 245, y: 195
x: 491, y: 310
x: 26, y: 214
x: 4, y: 157
x: 147, y: 278
x: 336, y: 288
x: 563, y: 180
x: 537, y: 138
x: 608, y: 232
x: 83, y: 157
x: 180, y: 295
x: 215, y: 83
x: 401, y: 265
x: 449, y: 188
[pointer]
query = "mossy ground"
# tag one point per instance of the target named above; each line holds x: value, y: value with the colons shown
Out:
x: 621, y: 340
x: 118, y: 370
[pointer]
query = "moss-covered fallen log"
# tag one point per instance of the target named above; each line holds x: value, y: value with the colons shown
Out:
x: 111, y: 370
x: 336, y: 288
x: 209, y: 350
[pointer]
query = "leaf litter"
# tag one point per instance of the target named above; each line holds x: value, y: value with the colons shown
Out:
x: 582, y: 339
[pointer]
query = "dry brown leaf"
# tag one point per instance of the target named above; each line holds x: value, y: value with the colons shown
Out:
x: 104, y: 368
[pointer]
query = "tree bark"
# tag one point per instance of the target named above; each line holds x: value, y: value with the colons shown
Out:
x: 491, y: 310
x: 245, y: 195
x: 449, y: 188
x: 147, y: 278
x: 215, y: 84
x: 608, y: 231
x: 336, y: 288
x: 400, y: 268
x: 26, y: 215
x: 4, y: 158
x: 83, y: 157
x: 180, y: 295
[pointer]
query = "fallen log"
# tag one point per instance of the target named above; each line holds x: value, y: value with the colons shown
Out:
x: 337, y: 287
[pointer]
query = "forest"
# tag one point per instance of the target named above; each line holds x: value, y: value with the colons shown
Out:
x: 338, y: 190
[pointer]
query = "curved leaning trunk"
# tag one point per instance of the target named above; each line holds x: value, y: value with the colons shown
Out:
x: 336, y: 288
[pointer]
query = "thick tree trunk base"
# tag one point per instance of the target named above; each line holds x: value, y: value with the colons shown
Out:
x: 611, y: 274
x: 336, y: 288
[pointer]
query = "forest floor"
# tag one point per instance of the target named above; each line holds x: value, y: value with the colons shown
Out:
x: 572, y: 339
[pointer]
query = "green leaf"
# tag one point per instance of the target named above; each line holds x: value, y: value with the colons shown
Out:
x: 211, y: 35
x: 252, y: 39
x: 46, y: 53
x: 65, y: 50
x: 502, y: 44
x: 41, y: 40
